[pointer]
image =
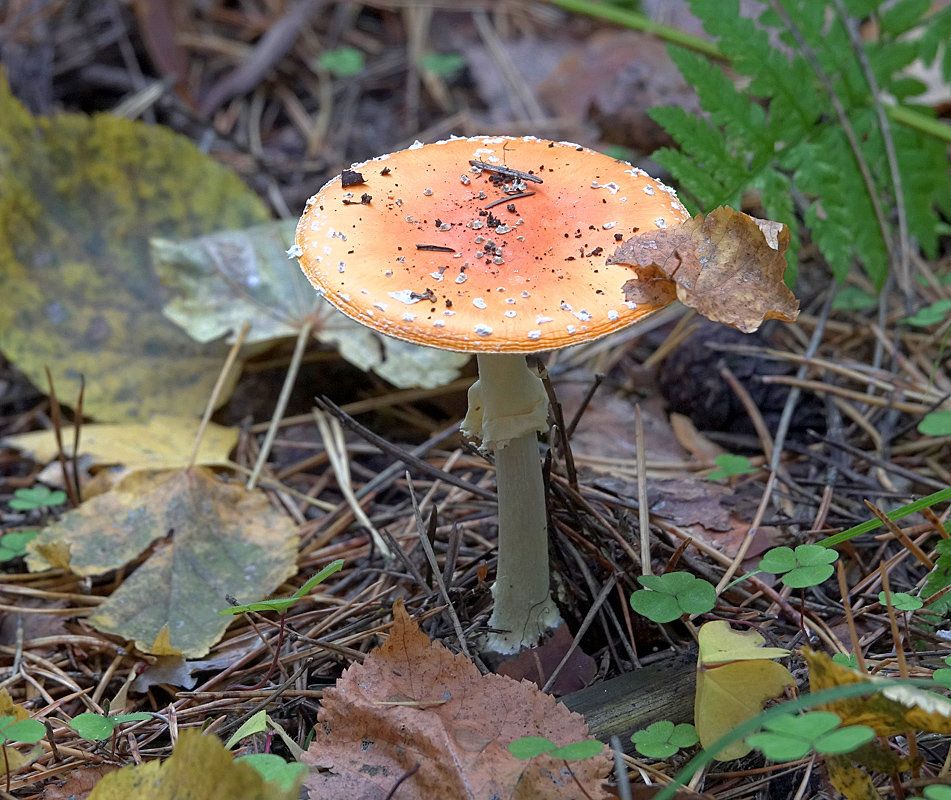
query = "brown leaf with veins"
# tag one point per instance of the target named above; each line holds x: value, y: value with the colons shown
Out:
x: 728, y: 266
x: 414, y: 705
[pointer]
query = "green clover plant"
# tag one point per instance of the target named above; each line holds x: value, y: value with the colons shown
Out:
x: 36, y: 498
x: 526, y: 748
x: 342, y: 62
x: 283, y: 603
x: 937, y: 423
x: 274, y: 769
x: 930, y: 315
x: 943, y: 676
x: 807, y: 565
x: 99, y: 727
x: 665, y: 598
x: 664, y: 739
x: 902, y: 601
x: 788, y: 737
x: 24, y: 731
x: 729, y: 465
x: 13, y: 544
x: 936, y: 792
x: 846, y: 660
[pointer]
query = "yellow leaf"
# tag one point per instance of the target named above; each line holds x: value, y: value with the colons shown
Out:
x: 853, y: 783
x: 199, y: 768
x: 735, y: 678
x: 224, y: 540
x: 165, y: 442
x: 9, y: 755
x: 162, y: 645
x: 80, y: 197
x: 894, y: 710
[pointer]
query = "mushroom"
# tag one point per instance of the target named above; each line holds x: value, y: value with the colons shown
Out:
x: 495, y: 246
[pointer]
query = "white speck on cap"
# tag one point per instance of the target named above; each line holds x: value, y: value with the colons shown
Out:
x: 428, y: 192
x: 570, y: 328
x: 483, y: 330
x: 612, y: 187
x: 407, y: 296
x: 535, y: 334
x: 660, y: 222
x: 613, y: 315
x: 341, y: 267
x: 608, y: 225
x: 295, y: 251
x: 478, y: 302
x: 543, y: 320
x: 581, y: 314
x: 461, y: 278
x: 649, y: 190
x: 407, y: 317
x: 511, y: 314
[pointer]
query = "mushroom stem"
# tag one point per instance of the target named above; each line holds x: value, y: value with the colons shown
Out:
x: 507, y: 407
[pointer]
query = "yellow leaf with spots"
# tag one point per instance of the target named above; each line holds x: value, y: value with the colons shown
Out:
x: 852, y: 782
x: 80, y: 197
x: 200, y: 768
x: 10, y: 755
x: 210, y: 539
x: 164, y: 442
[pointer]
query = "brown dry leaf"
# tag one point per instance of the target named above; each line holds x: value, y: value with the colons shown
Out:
x: 78, y: 784
x: 728, y: 266
x: 890, y: 712
x: 537, y: 664
x: 413, y: 702
x: 850, y: 781
x: 221, y: 539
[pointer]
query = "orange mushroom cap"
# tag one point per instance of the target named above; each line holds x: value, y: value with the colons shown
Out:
x: 435, y: 250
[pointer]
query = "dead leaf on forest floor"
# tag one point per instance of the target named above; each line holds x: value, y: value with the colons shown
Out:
x: 80, y: 196
x: 199, y: 769
x: 220, y: 280
x: 164, y: 442
x: 222, y: 540
x: 78, y: 784
x: 727, y: 265
x: 413, y: 702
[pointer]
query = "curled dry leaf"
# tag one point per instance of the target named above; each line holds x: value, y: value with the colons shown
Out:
x: 224, y: 540
x: 727, y: 265
x: 413, y: 702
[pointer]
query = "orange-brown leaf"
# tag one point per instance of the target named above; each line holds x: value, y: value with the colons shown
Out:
x: 727, y: 265
x: 413, y: 702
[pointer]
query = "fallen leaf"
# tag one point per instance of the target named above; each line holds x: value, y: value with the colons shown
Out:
x: 78, y: 784
x: 413, y: 702
x: 199, y: 768
x: 80, y: 196
x: 537, y: 664
x: 850, y: 781
x: 220, y: 280
x: 222, y: 540
x: 700, y: 447
x: 891, y: 712
x: 727, y: 265
x: 10, y: 756
x: 164, y: 442
x: 735, y: 678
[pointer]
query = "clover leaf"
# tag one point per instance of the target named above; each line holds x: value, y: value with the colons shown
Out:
x: 25, y: 731
x: 847, y: 660
x: 943, y: 676
x: 665, y: 598
x: 930, y: 315
x: 445, y: 65
x: 788, y: 737
x: 275, y: 769
x: 13, y: 544
x: 937, y: 423
x: 663, y: 739
x: 342, y: 62
x: 937, y: 792
x: 729, y: 465
x: 36, y: 498
x: 902, y: 601
x: 98, y: 727
x: 807, y: 565
x: 526, y: 748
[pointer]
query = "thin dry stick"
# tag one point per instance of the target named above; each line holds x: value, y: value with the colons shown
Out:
x: 899, y: 534
x: 899, y: 655
x: 77, y: 427
x: 823, y: 388
x: 216, y: 390
x: 849, y: 619
x: 303, y: 336
x: 434, y: 566
x: 748, y: 539
x: 332, y: 434
x: 643, y: 512
x: 57, y: 418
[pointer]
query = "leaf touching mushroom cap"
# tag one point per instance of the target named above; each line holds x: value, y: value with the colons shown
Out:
x: 727, y: 265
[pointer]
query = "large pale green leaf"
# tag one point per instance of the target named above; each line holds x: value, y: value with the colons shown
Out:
x: 221, y: 540
x: 80, y: 197
x: 219, y: 281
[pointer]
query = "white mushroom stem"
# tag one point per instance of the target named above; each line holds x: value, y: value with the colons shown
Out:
x: 508, y: 406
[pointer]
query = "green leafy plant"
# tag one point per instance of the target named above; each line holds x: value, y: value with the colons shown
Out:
x: 934, y: 314
x: 13, y: 544
x: 936, y: 792
x: 846, y: 660
x: 943, y: 676
x: 275, y: 769
x: 24, y: 731
x: 729, y: 465
x: 902, y: 601
x: 937, y: 423
x: 665, y: 598
x: 342, y: 62
x: 99, y: 727
x: 526, y: 748
x: 664, y: 739
x: 938, y: 579
x: 37, y: 497
x: 283, y: 603
x: 780, y: 134
x: 790, y: 737
x: 807, y: 565
x: 445, y: 65
x: 851, y: 298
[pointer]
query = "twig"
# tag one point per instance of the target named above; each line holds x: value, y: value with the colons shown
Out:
x: 216, y: 390
x: 404, y: 777
x: 57, y: 419
x: 643, y: 511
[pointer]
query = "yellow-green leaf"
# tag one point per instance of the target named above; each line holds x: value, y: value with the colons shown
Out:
x: 199, y: 768
x: 164, y: 442
x: 221, y: 540
x: 80, y: 197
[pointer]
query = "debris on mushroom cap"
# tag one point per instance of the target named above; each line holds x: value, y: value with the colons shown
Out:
x: 485, y: 264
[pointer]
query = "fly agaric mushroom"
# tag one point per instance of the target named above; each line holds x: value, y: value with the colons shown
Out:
x: 495, y: 246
